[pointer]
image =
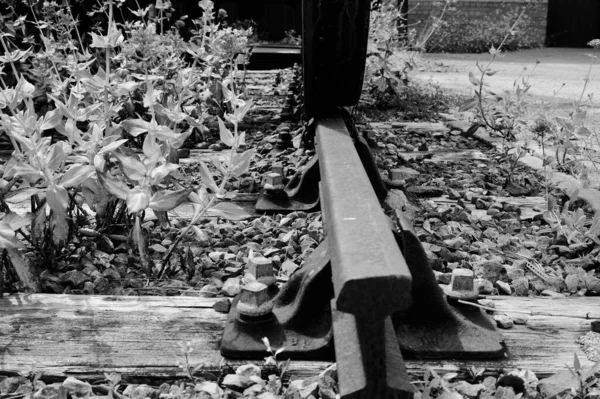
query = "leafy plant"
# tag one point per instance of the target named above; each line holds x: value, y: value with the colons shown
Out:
x: 292, y: 37
x: 274, y: 385
x: 433, y: 385
x: 586, y: 378
x: 573, y: 224
x: 515, y: 157
x: 184, y: 361
x: 392, y: 50
x: 74, y: 115
x: 501, y: 113
x: 572, y: 137
x: 236, y: 165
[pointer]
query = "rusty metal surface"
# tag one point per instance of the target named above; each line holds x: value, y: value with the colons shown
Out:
x: 431, y: 327
x: 370, y: 277
x: 334, y: 35
x: 361, y: 376
x: 300, y: 320
x: 369, y: 272
x: 300, y: 194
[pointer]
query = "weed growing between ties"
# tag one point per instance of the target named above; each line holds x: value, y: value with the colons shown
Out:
x: 393, y: 53
x: 76, y: 110
x: 563, y: 141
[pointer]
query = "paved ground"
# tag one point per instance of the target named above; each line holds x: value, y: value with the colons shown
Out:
x: 556, y: 66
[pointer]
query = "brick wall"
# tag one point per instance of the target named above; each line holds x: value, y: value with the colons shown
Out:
x: 420, y: 12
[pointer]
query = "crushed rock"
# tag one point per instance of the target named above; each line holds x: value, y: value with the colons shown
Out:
x: 590, y: 345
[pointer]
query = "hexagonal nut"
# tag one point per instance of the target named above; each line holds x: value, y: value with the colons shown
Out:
x: 277, y: 169
x: 255, y: 300
x: 262, y: 269
x: 285, y: 135
x: 462, y: 285
x: 273, y: 181
x: 396, y: 174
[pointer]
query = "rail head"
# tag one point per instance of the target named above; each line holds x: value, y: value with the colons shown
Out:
x: 369, y: 272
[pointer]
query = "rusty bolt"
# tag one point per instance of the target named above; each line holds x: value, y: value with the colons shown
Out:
x: 285, y: 135
x: 462, y: 285
x: 262, y: 269
x: 396, y: 174
x: 273, y: 182
x: 255, y: 300
x: 277, y: 169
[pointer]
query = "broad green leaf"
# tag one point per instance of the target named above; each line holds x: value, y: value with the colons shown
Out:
x: 7, y: 237
x: 240, y: 163
x: 135, y: 127
x: 38, y: 225
x: 180, y: 139
x: 132, y: 166
x: 76, y: 175
x: 474, y: 80
x: 150, y: 95
x: 241, y: 139
x: 200, y: 197
x: 58, y: 199
x: 381, y: 84
x: 99, y: 162
x: 200, y: 234
x: 55, y: 157
x: 468, y: 105
x: 576, y: 363
x: 207, y: 178
x: 24, y: 171
x: 548, y: 160
x: 115, y: 187
x: 241, y: 111
x: 112, y: 39
x: 162, y: 171
x: 229, y: 211
x: 551, y: 203
x: 17, y: 221
x: 579, y: 218
x: 579, y: 117
x: 595, y: 227
x: 70, y: 130
x: 167, y: 200
x: 564, y: 123
x: 150, y: 146
x: 574, y: 196
x: 219, y: 165
x: 582, y: 132
x: 225, y: 134
x: 21, y: 195
x: 51, y: 119
x: 137, y: 200
x: 60, y: 229
x: 128, y: 86
x: 111, y: 147
x: 138, y: 239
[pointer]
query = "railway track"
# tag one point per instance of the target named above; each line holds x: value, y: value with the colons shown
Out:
x: 366, y: 298
x: 367, y: 294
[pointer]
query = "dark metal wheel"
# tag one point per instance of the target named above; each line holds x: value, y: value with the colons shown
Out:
x: 335, y: 34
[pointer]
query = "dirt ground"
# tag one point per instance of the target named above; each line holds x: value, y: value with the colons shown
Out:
x: 557, y: 66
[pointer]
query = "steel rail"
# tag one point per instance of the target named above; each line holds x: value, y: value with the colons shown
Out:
x: 370, y: 274
x: 371, y: 279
